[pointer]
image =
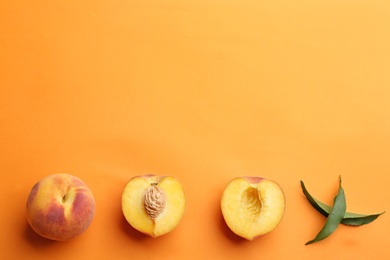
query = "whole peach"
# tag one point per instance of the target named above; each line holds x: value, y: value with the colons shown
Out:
x: 60, y: 207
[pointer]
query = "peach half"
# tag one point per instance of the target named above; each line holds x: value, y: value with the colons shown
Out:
x: 252, y: 206
x: 60, y: 207
x: 153, y: 205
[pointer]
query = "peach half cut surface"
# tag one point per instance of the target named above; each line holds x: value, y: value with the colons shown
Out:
x: 153, y: 205
x: 252, y: 206
x: 60, y: 207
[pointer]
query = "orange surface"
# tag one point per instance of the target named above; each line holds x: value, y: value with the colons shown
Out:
x: 204, y: 91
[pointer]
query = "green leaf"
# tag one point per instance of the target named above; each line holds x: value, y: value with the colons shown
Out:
x: 335, y: 216
x: 350, y: 218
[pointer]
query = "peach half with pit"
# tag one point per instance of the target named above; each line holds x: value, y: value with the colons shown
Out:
x: 60, y: 207
x: 252, y: 206
x: 152, y: 204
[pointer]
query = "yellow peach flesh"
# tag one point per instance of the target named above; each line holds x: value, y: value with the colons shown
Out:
x: 134, y: 209
x: 252, y: 209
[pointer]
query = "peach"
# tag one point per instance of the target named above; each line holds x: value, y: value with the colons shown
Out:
x: 153, y: 205
x: 252, y: 206
x: 60, y: 207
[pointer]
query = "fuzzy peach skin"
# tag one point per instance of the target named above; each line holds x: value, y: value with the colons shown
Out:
x: 60, y: 207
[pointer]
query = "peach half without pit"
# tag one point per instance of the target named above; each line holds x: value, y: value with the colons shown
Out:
x: 60, y: 207
x: 252, y: 206
x: 153, y: 205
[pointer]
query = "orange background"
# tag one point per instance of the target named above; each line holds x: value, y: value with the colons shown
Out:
x: 205, y: 91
